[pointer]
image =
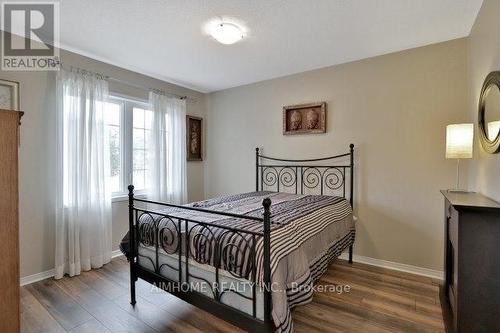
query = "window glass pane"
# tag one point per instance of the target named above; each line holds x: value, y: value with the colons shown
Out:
x: 138, y: 118
x: 139, y: 179
x: 140, y: 134
x: 138, y: 159
x: 115, y: 156
x: 112, y: 114
x: 138, y: 138
x: 112, y: 121
x: 147, y: 138
x: 148, y: 118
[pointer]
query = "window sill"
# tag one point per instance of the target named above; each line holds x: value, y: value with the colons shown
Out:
x: 124, y: 197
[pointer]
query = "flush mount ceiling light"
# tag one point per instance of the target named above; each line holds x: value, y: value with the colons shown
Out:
x: 226, y: 33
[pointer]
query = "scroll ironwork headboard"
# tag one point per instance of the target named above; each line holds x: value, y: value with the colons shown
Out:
x: 324, y: 176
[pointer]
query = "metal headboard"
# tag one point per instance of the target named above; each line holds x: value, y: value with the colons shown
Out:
x: 300, y: 176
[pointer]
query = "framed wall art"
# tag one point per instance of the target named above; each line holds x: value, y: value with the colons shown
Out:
x: 9, y: 95
x: 304, y: 118
x: 194, y: 126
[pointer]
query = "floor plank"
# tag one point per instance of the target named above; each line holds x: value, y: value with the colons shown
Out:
x: 106, y: 312
x: 402, y: 299
x: 156, y: 317
x: 34, y: 317
x: 102, y: 285
x: 391, y: 323
x: 59, y: 304
x: 379, y: 300
x: 91, y: 326
x: 389, y: 272
x: 397, y: 289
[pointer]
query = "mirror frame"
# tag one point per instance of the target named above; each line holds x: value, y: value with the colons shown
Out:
x: 491, y: 146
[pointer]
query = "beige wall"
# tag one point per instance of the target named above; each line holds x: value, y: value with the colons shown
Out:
x: 394, y: 108
x: 37, y: 99
x: 484, y: 57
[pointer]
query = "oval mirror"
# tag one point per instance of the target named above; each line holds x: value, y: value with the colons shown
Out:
x: 489, y: 113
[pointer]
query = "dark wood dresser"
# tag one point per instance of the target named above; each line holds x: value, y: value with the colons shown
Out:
x: 470, y: 295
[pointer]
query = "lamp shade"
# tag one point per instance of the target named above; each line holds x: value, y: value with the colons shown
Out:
x: 459, y: 140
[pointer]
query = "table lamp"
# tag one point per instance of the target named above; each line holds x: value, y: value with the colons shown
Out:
x: 459, y: 143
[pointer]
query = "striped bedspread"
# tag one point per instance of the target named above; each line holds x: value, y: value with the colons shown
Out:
x: 307, y: 232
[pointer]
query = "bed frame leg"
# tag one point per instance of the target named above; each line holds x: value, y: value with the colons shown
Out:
x: 350, y: 254
x: 132, y: 288
x: 131, y: 231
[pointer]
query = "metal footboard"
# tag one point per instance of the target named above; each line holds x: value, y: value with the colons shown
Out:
x: 225, y: 248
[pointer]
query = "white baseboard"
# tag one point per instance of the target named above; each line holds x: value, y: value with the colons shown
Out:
x: 37, y: 277
x: 435, y: 274
x: 116, y: 253
x: 50, y: 273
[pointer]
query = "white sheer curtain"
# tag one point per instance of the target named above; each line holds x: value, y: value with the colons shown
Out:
x: 83, y: 204
x: 167, y: 149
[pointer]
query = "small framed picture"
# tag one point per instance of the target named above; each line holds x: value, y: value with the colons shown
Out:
x: 9, y: 95
x: 194, y: 126
x: 304, y: 118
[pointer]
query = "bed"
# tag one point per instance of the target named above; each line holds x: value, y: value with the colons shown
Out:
x: 248, y: 258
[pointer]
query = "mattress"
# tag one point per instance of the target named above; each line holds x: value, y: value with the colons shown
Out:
x: 202, y: 279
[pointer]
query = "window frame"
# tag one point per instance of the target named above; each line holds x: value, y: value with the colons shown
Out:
x: 126, y: 143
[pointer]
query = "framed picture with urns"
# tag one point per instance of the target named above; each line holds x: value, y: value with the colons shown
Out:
x: 194, y: 126
x: 304, y: 118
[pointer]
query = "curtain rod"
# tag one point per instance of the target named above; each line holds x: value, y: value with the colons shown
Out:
x: 131, y: 84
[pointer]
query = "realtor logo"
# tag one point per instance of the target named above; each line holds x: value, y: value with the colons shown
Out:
x: 30, y: 33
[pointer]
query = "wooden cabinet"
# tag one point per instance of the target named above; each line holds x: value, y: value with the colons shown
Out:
x: 9, y: 221
x: 470, y: 296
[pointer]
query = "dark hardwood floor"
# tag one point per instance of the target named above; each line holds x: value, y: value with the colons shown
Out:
x: 379, y: 300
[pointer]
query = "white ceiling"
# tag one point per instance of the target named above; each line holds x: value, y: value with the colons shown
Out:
x: 164, y: 38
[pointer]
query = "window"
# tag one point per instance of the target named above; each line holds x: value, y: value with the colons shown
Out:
x: 128, y: 126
